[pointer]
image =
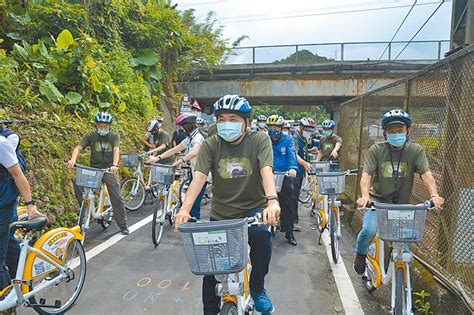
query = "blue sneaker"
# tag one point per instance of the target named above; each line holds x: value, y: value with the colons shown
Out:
x: 263, y: 303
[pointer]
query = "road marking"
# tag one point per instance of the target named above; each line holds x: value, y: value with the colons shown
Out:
x: 349, y: 298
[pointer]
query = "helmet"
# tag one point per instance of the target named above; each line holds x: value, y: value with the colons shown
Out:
x: 395, y: 116
x: 287, y: 125
x: 159, y: 118
x: 152, y: 124
x: 103, y: 117
x: 275, y: 120
x: 185, y: 118
x: 200, y: 121
x: 328, y: 124
x: 307, y: 122
x: 233, y: 104
x: 262, y: 118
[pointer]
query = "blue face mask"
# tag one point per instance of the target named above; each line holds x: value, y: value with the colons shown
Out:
x: 397, y: 139
x: 327, y: 133
x: 273, y: 133
x: 229, y: 131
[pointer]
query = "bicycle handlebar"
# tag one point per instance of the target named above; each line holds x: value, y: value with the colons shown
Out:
x: 107, y: 170
x: 371, y: 205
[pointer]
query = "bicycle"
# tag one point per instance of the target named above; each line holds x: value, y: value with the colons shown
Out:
x: 91, y: 179
x: 318, y: 201
x: 220, y: 249
x: 135, y: 190
x: 331, y: 184
x: 53, y: 269
x: 400, y: 224
x: 167, y: 184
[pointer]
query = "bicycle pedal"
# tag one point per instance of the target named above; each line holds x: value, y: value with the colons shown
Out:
x: 57, y: 304
x: 365, y: 279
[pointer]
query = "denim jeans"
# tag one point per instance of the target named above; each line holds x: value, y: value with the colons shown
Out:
x: 260, y: 242
x: 9, y: 247
x: 196, y: 209
x: 367, y: 233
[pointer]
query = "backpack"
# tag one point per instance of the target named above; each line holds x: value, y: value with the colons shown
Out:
x: 5, y: 132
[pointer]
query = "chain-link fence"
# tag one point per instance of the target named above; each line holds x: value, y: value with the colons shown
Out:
x: 440, y: 101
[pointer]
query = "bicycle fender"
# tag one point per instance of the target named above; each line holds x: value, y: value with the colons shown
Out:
x: 52, y: 244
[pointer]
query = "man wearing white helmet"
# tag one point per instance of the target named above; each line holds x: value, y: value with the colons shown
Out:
x: 156, y: 139
x: 330, y: 143
x: 262, y: 123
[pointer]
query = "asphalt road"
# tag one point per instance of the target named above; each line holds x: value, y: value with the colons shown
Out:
x: 134, y: 277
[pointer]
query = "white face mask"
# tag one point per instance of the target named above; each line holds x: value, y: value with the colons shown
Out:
x: 262, y: 125
x: 307, y: 134
x: 285, y: 132
x: 103, y: 131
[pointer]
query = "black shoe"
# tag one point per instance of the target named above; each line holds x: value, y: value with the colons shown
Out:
x: 359, y: 263
x: 124, y: 230
x: 291, y: 238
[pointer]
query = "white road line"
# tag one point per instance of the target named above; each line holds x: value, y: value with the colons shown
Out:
x: 116, y: 238
x: 349, y: 298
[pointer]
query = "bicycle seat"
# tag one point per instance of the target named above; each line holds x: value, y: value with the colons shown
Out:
x: 36, y: 223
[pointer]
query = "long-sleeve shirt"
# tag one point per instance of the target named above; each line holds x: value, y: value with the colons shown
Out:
x: 284, y: 154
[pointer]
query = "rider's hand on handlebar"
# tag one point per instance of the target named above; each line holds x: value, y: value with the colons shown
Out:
x: 438, y: 202
x: 334, y: 154
x: 114, y: 169
x: 271, y: 213
x: 71, y: 163
x: 33, y: 212
x: 362, y: 202
x: 307, y: 166
x: 292, y: 173
x: 181, y: 217
x: 152, y: 159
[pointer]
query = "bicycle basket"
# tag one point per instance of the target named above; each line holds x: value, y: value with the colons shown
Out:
x: 279, y: 177
x: 130, y: 160
x: 401, y: 223
x: 216, y: 247
x: 162, y: 174
x: 332, y: 183
x: 89, y: 177
x: 320, y: 167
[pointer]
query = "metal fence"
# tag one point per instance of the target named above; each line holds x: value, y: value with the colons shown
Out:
x: 339, y: 52
x: 440, y: 101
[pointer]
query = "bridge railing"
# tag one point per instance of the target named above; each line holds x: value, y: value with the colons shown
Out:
x: 439, y: 99
x: 339, y: 52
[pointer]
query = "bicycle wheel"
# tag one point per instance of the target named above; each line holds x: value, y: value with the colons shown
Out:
x: 58, y: 298
x: 84, y: 214
x: 157, y: 223
x: 229, y: 308
x: 133, y: 194
x: 305, y: 193
x: 399, y: 291
x: 183, y: 188
x: 334, y: 236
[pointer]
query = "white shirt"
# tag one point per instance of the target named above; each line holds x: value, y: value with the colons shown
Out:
x: 7, y: 153
x: 189, y: 142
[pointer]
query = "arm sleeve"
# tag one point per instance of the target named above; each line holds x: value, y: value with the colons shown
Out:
x: 8, y: 156
x: 370, y: 164
x: 86, y: 140
x: 264, y: 150
x: 338, y: 139
x: 421, y: 161
x: 292, y: 161
x: 204, y: 159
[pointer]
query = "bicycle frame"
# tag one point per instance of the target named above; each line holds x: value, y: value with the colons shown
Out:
x: 95, y: 212
x: 43, y: 258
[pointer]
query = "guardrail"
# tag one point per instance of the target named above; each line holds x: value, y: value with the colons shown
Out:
x: 339, y: 52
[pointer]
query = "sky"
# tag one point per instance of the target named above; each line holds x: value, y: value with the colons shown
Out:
x: 279, y: 22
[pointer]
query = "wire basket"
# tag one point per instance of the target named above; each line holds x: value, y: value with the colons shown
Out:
x: 331, y: 183
x: 89, y: 177
x: 401, y: 223
x: 279, y: 177
x: 216, y: 247
x: 130, y: 160
x: 320, y: 167
x: 162, y: 174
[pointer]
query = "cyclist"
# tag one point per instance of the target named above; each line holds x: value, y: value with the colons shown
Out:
x: 203, y: 127
x: 330, y: 143
x: 12, y: 183
x: 262, y: 123
x: 388, y: 176
x: 284, y: 160
x: 192, y: 145
x: 286, y: 128
x: 240, y: 161
x: 105, y: 153
x: 178, y: 135
x: 156, y: 138
x: 303, y: 145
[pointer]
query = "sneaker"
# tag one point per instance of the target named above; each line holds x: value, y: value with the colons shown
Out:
x: 263, y: 303
x: 359, y: 263
x: 124, y: 230
x: 291, y: 238
x: 297, y: 227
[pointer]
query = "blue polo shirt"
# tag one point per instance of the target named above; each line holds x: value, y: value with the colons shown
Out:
x: 284, y: 154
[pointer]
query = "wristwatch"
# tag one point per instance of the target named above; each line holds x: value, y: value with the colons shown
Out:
x: 32, y: 202
x: 271, y: 197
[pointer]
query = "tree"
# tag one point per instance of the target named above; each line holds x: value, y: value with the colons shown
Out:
x: 303, y: 57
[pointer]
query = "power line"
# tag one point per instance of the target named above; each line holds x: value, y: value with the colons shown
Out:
x: 324, y: 13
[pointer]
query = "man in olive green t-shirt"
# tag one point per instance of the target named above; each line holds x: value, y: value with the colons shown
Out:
x: 157, y: 140
x: 241, y: 164
x: 388, y: 176
x: 105, y: 153
x: 330, y: 143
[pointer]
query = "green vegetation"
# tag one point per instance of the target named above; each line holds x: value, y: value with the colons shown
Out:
x: 303, y: 57
x: 61, y: 61
x: 422, y: 305
x: 318, y: 115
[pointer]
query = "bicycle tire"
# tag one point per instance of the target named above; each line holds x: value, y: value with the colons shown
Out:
x: 43, y: 308
x: 106, y: 220
x: 183, y: 188
x: 399, y: 291
x: 335, y: 251
x: 157, y: 224
x: 131, y: 202
x: 305, y: 192
x: 369, y: 278
x: 229, y: 308
x: 83, y: 213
